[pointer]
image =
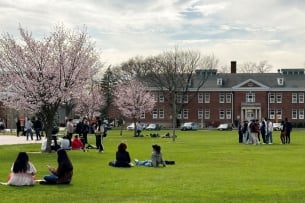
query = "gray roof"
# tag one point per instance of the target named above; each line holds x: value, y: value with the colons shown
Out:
x: 261, y: 80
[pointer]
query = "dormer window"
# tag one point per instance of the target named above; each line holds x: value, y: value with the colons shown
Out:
x: 280, y: 81
x: 219, y: 81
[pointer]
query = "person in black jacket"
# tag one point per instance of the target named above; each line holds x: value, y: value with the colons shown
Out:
x: 122, y: 157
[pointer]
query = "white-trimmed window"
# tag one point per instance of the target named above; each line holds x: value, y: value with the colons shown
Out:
x: 279, y: 114
x: 207, y: 113
x: 301, y: 98
x: 200, y: 113
x: 301, y: 113
x: 294, y: 98
x: 228, y: 114
x: 161, y: 97
x: 272, y: 114
x: 179, y: 116
x: 272, y: 98
x: 221, y: 114
x: 250, y: 97
x: 142, y: 115
x: 207, y: 98
x: 179, y: 98
x: 228, y: 98
x: 200, y: 98
x: 185, y: 114
x: 155, y: 113
x: 294, y: 114
x: 221, y: 97
x: 155, y: 97
x: 279, y: 98
x: 186, y: 99
x: 161, y: 113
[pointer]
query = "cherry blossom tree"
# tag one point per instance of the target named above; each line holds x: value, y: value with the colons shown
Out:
x: 133, y: 99
x: 90, y: 102
x: 39, y: 75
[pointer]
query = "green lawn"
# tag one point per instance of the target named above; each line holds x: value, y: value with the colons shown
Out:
x: 211, y: 166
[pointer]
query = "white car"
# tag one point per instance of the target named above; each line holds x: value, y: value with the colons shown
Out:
x: 225, y: 126
x: 277, y: 126
x: 189, y: 126
x: 130, y: 127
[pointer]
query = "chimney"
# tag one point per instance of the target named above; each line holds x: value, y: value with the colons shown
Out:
x: 233, y: 66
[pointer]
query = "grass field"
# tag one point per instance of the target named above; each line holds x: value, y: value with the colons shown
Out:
x: 211, y: 166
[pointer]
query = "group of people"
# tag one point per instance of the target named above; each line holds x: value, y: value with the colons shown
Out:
x: 23, y: 171
x: 29, y: 127
x: 123, y: 158
x: 251, y: 132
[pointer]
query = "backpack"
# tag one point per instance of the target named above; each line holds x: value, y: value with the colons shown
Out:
x: 254, y: 127
x: 245, y: 128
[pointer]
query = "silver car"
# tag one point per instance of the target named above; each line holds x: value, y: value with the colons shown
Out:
x: 189, y: 126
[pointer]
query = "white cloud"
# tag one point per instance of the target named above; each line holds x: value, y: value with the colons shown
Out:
x: 244, y: 30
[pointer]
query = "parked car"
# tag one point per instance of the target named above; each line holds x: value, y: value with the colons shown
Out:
x: 276, y: 126
x: 189, y: 126
x: 153, y: 126
x: 225, y: 126
x: 132, y: 126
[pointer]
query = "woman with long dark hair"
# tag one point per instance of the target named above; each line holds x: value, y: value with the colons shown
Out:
x: 99, y: 131
x: 122, y: 157
x: 22, y: 171
x: 63, y: 173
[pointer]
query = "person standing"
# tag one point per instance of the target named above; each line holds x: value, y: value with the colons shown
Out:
x: 86, y: 129
x: 245, y: 132
x: 269, y: 131
x: 254, y: 130
x: 28, y: 128
x: 70, y: 129
x: 240, y: 132
x: 139, y: 129
x: 22, y: 171
x: 37, y: 127
x: 99, y: 131
x: 263, y: 129
x: 283, y: 136
x: 18, y: 126
x: 288, y: 128
x: 64, y: 171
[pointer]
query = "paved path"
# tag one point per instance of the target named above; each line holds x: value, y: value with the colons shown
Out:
x: 10, y: 139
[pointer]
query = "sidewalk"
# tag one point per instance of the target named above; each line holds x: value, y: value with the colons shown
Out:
x: 11, y: 139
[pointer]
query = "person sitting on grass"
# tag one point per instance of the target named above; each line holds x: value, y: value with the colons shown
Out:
x: 63, y: 173
x: 122, y: 157
x: 77, y: 143
x: 22, y: 171
x: 156, y: 158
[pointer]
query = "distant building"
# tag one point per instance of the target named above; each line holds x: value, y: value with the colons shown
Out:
x: 234, y: 97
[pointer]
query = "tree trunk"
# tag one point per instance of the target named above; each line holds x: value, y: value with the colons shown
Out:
x: 174, y: 116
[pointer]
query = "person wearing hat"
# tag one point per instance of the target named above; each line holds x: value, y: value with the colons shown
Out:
x: 156, y: 158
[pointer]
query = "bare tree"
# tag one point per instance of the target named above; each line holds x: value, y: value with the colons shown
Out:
x: 174, y: 73
x: 40, y: 75
x: 252, y: 67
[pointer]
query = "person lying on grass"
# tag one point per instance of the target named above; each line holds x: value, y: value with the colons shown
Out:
x: 63, y: 173
x: 156, y: 158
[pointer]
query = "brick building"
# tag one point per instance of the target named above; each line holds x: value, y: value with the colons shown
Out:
x: 232, y: 97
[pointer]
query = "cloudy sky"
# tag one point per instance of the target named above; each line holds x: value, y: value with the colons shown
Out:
x: 241, y: 30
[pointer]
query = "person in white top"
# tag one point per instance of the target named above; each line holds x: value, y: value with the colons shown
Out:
x: 22, y: 171
x: 28, y: 128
